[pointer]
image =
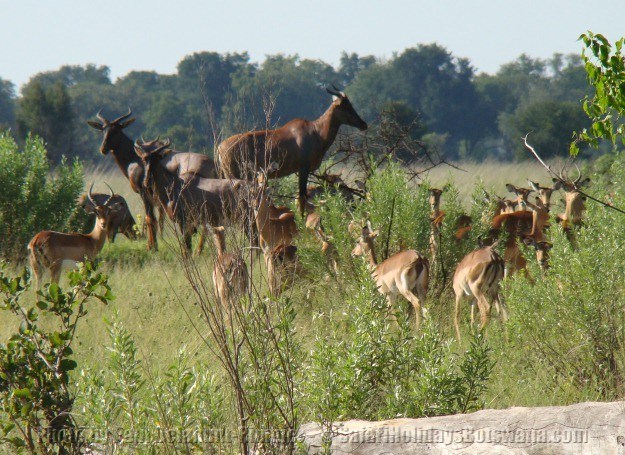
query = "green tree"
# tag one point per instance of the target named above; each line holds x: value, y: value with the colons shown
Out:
x: 7, y: 104
x: 605, y: 67
x: 47, y: 112
x: 550, y: 122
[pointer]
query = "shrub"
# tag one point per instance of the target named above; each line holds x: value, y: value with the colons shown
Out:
x: 35, y: 364
x: 33, y: 198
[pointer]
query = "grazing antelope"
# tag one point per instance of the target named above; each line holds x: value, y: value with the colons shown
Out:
x: 298, y: 146
x: 183, y: 164
x: 230, y: 275
x: 403, y: 273
x: 48, y: 249
x: 121, y: 220
x: 195, y: 203
x: 283, y: 267
x: 478, y: 276
x: 521, y: 193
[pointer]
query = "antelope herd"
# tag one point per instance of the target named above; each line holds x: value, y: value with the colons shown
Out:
x: 201, y: 196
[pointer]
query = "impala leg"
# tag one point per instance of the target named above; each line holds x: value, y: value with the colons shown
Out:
x: 459, y: 298
x: 416, y: 304
x: 55, y: 271
x: 484, y: 307
x: 36, y: 269
x: 200, y: 242
x: 161, y: 220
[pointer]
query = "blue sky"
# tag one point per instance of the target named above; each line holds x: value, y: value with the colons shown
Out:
x: 39, y: 35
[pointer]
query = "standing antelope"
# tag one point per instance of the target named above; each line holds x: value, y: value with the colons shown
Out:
x: 436, y: 219
x: 121, y: 221
x: 298, y: 146
x: 230, y: 275
x: 574, y: 201
x: 48, y: 249
x: 195, y: 203
x: 400, y: 274
x: 276, y: 226
x: 478, y: 276
x: 184, y: 164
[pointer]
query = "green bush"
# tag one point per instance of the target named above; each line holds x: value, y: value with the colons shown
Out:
x: 33, y: 198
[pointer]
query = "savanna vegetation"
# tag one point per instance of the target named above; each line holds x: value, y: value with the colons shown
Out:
x: 135, y: 353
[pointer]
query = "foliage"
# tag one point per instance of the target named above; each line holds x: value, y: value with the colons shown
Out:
x: 366, y: 367
x: 46, y: 111
x: 35, y: 364
x: 33, y: 198
x: 605, y: 69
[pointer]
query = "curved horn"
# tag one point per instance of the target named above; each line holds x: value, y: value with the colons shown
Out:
x: 123, y: 117
x: 142, y: 140
x: 334, y: 91
x: 89, y: 195
x: 579, y: 175
x: 111, y: 195
x: 102, y: 119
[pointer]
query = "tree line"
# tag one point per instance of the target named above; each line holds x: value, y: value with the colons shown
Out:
x: 463, y: 114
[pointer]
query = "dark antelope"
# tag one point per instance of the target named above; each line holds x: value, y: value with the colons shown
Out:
x: 298, y: 146
x: 185, y: 165
x: 192, y: 204
x: 48, y: 249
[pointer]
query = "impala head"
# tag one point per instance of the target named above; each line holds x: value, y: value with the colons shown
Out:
x: 102, y: 211
x: 542, y: 251
x: 544, y: 192
x: 435, y: 198
x: 521, y: 193
x: 344, y: 111
x: 151, y: 157
x: 111, y: 130
x: 365, y: 241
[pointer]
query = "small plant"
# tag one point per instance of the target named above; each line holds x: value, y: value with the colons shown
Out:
x: 35, y: 364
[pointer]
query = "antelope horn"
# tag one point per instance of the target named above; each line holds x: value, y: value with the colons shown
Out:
x: 579, y: 175
x: 142, y: 140
x: 123, y: 117
x: 89, y: 195
x: 102, y: 119
x: 111, y: 195
x: 335, y: 91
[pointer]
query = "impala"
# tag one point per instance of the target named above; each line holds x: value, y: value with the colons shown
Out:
x: 48, y: 249
x: 230, y: 275
x: 521, y: 193
x: 195, y: 203
x: 436, y: 219
x: 283, y: 267
x: 185, y: 165
x: 574, y: 201
x: 405, y: 273
x: 276, y: 226
x: 298, y: 146
x: 121, y: 221
x: 544, y: 192
x: 477, y: 277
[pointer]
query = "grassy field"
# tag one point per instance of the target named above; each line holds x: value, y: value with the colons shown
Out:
x: 565, y: 329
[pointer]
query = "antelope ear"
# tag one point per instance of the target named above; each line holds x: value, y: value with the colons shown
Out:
x: 117, y: 206
x: 557, y: 184
x: 127, y: 123
x: 511, y: 188
x: 96, y: 125
x: 89, y: 208
x: 533, y: 185
x: 584, y: 182
x: 375, y: 233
